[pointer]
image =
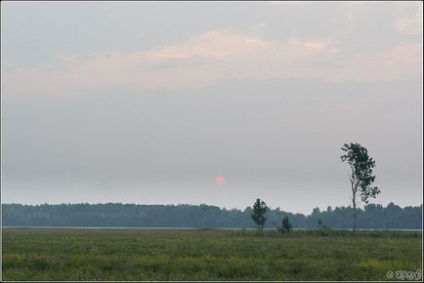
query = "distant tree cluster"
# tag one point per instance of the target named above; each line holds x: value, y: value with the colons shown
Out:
x: 373, y: 216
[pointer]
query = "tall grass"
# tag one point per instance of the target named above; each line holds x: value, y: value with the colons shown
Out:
x: 60, y: 254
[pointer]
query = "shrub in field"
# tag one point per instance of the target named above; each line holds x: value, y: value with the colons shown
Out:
x: 286, y: 226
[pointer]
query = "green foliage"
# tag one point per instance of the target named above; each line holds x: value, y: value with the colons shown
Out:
x: 206, y: 255
x: 361, y: 176
x: 258, y: 213
x: 286, y: 226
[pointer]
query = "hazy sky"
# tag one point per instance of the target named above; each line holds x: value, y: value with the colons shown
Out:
x: 148, y: 102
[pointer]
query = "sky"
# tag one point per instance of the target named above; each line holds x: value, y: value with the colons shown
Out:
x: 209, y: 102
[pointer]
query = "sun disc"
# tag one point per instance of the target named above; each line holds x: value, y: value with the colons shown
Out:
x: 220, y: 181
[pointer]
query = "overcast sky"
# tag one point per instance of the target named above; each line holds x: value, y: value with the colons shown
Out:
x: 149, y: 102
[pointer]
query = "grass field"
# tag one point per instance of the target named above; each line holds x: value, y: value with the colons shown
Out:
x: 68, y: 254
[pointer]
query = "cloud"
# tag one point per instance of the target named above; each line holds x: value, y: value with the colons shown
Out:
x: 401, y: 62
x: 201, y: 60
x: 208, y: 45
x: 213, y: 56
x: 412, y: 25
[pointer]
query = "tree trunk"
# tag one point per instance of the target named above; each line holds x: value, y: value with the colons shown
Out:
x: 354, y: 185
x: 354, y: 215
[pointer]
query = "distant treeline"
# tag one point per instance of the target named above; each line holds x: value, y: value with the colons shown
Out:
x: 373, y: 216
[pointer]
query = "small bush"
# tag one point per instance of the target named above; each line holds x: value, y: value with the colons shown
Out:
x: 286, y: 226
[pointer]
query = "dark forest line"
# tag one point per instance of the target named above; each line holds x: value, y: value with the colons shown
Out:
x: 372, y: 216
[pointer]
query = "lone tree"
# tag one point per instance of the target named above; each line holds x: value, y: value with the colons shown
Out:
x: 258, y: 213
x: 361, y: 177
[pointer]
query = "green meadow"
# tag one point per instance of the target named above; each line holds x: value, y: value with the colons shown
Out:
x: 203, y: 254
